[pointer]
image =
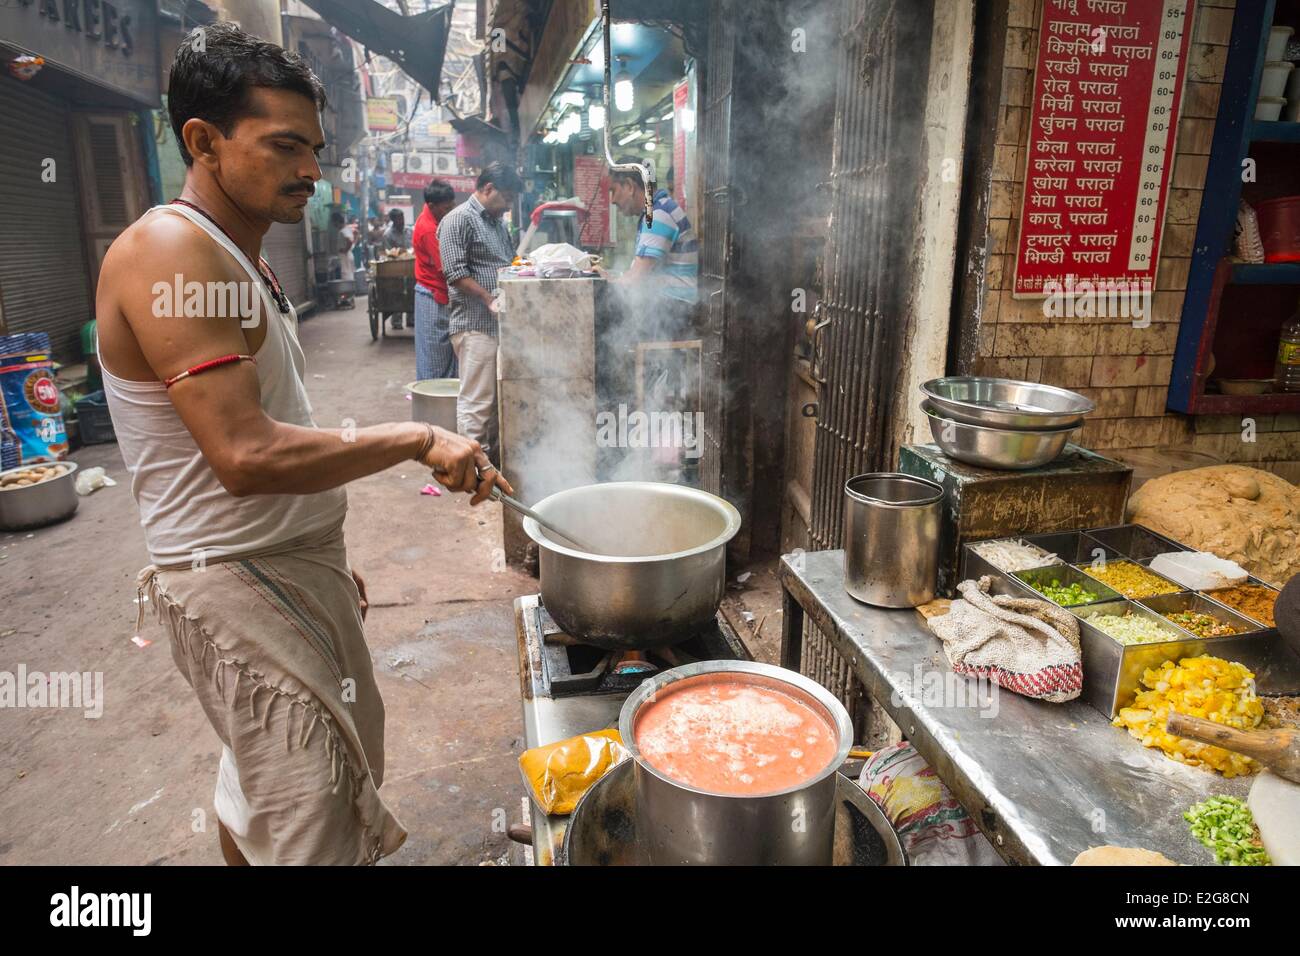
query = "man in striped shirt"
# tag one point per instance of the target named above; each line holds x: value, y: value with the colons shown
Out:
x: 666, y: 252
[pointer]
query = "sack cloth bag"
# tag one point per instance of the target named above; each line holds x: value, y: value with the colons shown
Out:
x: 1022, y: 644
x: 932, y: 825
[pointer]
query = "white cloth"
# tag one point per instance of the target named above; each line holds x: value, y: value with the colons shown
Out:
x: 300, y: 782
x: 248, y: 829
x: 476, y: 405
x: 184, y: 509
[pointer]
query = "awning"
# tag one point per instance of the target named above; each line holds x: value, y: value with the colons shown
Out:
x: 416, y: 43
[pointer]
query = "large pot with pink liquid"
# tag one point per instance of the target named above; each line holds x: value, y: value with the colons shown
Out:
x: 735, y: 765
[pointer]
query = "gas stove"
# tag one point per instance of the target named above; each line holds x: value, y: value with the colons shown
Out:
x: 569, y: 688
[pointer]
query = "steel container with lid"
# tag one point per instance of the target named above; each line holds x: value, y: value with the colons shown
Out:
x: 891, y: 538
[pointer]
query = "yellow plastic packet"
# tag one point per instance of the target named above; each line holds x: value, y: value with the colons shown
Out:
x: 560, y: 773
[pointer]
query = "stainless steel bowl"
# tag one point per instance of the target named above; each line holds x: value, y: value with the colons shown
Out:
x: 1005, y: 402
x: 661, y: 572
x: 34, y: 506
x: 1006, y: 449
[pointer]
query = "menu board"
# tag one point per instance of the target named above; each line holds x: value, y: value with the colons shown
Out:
x: 591, y: 185
x: 681, y: 104
x: 1107, y: 88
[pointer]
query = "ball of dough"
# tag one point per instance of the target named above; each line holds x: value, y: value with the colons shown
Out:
x: 1238, y: 513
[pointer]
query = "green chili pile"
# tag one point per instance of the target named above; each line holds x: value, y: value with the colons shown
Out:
x: 1226, y: 826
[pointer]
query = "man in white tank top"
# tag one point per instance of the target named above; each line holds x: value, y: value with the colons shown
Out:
x: 241, y: 495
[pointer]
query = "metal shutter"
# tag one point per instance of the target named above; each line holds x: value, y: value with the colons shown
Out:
x: 285, y: 248
x: 44, y: 281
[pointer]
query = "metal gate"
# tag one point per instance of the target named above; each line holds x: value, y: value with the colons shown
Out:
x: 880, y: 102
x: 285, y: 248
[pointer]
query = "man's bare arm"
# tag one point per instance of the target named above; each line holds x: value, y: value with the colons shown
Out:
x: 250, y: 452
x: 642, y: 267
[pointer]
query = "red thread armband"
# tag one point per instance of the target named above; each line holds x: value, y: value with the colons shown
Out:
x: 208, y: 366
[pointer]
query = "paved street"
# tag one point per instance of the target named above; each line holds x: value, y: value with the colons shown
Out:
x: 134, y: 786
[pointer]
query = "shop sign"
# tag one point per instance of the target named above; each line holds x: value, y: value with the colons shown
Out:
x: 591, y: 185
x: 461, y: 184
x: 381, y: 113
x: 681, y: 103
x: 1107, y: 88
x: 110, y: 43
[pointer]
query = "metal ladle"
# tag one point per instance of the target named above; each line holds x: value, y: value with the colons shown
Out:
x: 505, y: 499
x: 498, y: 495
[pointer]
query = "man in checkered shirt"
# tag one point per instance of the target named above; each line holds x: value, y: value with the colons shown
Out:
x: 475, y: 243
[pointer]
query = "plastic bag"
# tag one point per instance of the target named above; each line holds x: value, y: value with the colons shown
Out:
x: 90, y: 480
x: 559, y: 259
x: 559, y: 774
x: 30, y: 401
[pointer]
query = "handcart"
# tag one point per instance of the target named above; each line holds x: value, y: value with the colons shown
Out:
x: 391, y: 290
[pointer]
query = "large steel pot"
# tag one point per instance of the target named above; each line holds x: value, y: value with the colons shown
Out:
x: 891, y: 538
x: 678, y: 824
x: 34, y: 506
x: 602, y: 829
x: 661, y: 572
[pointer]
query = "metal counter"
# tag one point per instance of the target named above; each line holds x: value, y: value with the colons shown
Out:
x: 1042, y: 781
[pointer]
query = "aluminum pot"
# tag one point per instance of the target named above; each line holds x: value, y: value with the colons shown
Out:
x: 661, y: 572
x: 891, y: 538
x: 433, y: 400
x: 678, y: 824
x: 34, y: 506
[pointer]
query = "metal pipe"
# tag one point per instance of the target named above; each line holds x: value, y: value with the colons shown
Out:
x: 646, y: 172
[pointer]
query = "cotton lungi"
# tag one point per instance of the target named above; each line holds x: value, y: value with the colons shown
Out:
x: 434, y: 356
x: 273, y: 647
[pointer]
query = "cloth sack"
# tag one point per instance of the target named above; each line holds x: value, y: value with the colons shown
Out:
x: 1025, y: 645
x: 933, y: 827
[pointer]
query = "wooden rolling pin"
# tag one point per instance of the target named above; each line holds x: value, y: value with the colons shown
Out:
x: 1278, y: 749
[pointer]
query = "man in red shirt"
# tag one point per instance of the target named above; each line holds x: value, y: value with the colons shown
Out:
x: 434, y: 357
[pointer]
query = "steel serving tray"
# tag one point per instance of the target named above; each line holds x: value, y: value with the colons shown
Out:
x: 1112, y: 672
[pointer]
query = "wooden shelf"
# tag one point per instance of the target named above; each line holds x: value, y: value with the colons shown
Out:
x: 1255, y: 293
x: 1264, y: 131
x: 1266, y: 273
x: 1274, y: 403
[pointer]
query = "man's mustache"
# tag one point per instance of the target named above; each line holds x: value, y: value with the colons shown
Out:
x: 299, y: 189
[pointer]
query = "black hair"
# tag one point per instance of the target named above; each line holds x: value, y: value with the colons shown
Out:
x: 438, y: 190
x: 503, y: 177
x: 395, y: 214
x: 627, y: 175
x: 336, y: 219
x: 214, y: 70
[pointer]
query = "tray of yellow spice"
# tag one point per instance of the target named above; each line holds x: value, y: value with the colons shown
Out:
x: 1130, y: 579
